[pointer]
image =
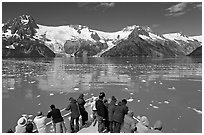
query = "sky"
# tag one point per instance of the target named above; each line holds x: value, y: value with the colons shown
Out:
x: 161, y: 17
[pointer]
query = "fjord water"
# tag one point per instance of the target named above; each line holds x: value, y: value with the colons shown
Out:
x: 166, y: 89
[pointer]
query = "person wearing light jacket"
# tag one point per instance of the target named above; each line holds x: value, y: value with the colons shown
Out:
x: 40, y: 122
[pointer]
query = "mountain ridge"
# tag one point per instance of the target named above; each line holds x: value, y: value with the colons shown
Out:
x: 80, y: 40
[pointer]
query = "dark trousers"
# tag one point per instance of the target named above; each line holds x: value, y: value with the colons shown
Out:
x: 107, y: 123
x: 72, y: 124
x: 101, y: 125
x: 117, y: 127
x: 111, y: 126
x: 84, y: 116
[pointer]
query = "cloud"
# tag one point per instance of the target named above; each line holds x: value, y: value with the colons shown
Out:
x: 198, y: 6
x: 96, y: 5
x: 107, y: 4
x: 154, y: 25
x: 177, y: 10
x: 182, y: 8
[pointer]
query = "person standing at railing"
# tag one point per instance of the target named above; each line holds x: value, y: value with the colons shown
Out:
x: 111, y: 109
x: 39, y: 121
x: 58, y: 121
x: 101, y: 112
x: 93, y: 108
x: 75, y: 113
x: 119, y: 114
x: 81, y: 102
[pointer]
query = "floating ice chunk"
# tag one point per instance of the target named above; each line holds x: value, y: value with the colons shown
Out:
x: 130, y: 100
x: 159, y: 102
x: 11, y: 88
x: 198, y: 90
x: 179, y: 117
x: 92, y: 94
x: 38, y: 96
x: 138, y: 100
x: 39, y: 104
x: 76, y: 89
x: 156, y: 107
x: 126, y: 88
x: 198, y: 111
x: 51, y: 94
x: 150, y: 104
x: 143, y: 80
x: 171, y: 88
x: 131, y: 93
x: 32, y: 82
x: 166, y: 102
x: 160, y: 83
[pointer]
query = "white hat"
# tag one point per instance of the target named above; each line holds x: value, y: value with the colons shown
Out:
x: 22, y: 121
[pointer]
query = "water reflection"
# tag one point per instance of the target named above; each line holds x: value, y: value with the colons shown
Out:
x: 155, y: 86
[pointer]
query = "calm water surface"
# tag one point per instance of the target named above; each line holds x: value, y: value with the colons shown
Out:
x: 168, y: 89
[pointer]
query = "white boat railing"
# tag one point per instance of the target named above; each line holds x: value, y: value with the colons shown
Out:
x: 67, y: 114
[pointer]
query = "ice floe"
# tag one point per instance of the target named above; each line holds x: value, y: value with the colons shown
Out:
x: 130, y: 100
x: 160, y: 83
x: 38, y: 96
x: 156, y: 107
x: 51, y: 94
x: 61, y: 92
x: 76, y: 89
x: 11, y: 88
x: 196, y: 110
x: 166, y: 102
x: 143, y: 81
x: 131, y: 93
x: 171, y: 88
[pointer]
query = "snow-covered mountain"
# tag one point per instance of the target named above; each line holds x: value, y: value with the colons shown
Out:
x: 79, y: 40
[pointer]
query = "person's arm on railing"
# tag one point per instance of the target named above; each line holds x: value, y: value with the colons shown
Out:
x: 68, y: 107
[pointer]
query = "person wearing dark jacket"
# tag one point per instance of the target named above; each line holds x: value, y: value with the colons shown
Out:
x: 81, y: 102
x: 58, y: 121
x: 74, y: 114
x: 101, y: 112
x: 111, y: 109
x: 118, y: 115
x: 106, y: 103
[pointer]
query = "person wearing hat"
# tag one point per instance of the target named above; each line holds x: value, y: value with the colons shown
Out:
x: 81, y: 102
x: 40, y: 122
x: 143, y: 125
x: 75, y: 113
x: 101, y: 112
x: 111, y: 109
x: 157, y: 127
x: 118, y: 115
x: 21, y: 125
x: 129, y: 124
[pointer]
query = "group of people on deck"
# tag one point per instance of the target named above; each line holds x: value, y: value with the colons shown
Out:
x: 111, y: 117
x: 118, y: 118
x: 26, y: 125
